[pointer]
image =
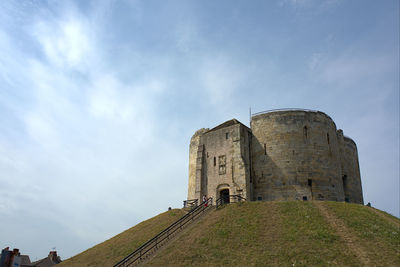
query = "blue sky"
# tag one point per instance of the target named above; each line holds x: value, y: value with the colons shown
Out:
x: 99, y: 99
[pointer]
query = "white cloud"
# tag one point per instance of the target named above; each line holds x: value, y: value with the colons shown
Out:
x: 67, y: 42
x: 314, y: 61
x: 106, y: 101
x: 316, y: 6
x: 84, y: 131
x: 40, y: 128
x: 353, y: 69
x: 95, y: 126
x: 221, y: 78
x: 187, y: 36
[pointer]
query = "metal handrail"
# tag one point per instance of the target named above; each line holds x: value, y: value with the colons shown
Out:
x: 235, y: 198
x: 190, y: 203
x: 283, y: 109
x: 140, y: 252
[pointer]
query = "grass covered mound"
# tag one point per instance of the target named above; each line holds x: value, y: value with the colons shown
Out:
x: 310, y: 233
x: 286, y: 234
x: 115, y: 249
x: 375, y: 232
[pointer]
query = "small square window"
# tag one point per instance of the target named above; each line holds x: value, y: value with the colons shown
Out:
x: 304, y: 198
x: 259, y: 198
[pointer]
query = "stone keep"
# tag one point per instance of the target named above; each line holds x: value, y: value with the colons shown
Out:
x: 286, y: 155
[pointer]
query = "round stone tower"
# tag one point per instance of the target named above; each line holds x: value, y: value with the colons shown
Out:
x: 350, y: 169
x: 296, y: 155
x: 288, y: 154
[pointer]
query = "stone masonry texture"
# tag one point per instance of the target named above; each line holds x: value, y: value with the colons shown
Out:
x: 286, y: 155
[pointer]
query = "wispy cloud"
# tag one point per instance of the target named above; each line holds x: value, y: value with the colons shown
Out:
x: 83, y: 130
x: 99, y: 100
x: 221, y: 78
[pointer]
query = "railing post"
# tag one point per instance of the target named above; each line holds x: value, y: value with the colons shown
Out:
x: 145, y: 248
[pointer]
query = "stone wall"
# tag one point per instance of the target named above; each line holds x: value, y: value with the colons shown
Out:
x: 351, y: 173
x: 220, y: 159
x: 287, y: 155
x: 193, y: 151
x: 226, y: 164
x: 295, y: 155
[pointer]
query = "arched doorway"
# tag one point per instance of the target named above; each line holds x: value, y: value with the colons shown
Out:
x: 224, y: 195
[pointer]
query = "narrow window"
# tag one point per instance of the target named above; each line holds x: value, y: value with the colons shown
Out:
x: 226, y: 135
x: 327, y: 138
x: 265, y: 149
x: 222, y: 164
x: 344, y: 180
x: 346, y: 199
x: 305, y: 131
x: 215, y: 161
x: 309, y: 182
x: 207, y: 154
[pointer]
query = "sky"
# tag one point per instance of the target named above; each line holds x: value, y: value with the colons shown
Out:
x: 99, y: 100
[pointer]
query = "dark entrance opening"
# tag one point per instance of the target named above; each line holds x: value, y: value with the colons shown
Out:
x: 224, y: 195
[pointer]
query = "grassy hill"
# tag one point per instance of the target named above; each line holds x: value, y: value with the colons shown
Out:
x: 115, y: 249
x: 266, y: 234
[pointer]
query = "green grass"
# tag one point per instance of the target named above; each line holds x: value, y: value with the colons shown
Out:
x: 263, y: 234
x: 308, y: 239
x: 236, y: 235
x: 113, y: 250
x: 259, y: 234
x: 380, y: 234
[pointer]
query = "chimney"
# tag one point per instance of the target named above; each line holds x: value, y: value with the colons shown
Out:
x: 16, y: 251
x: 53, y: 256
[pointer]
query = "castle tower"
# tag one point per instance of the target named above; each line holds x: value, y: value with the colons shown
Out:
x: 219, y: 161
x: 286, y: 155
x: 295, y: 155
x: 350, y: 169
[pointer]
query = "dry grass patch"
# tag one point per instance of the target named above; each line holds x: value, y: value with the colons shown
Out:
x: 113, y: 250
